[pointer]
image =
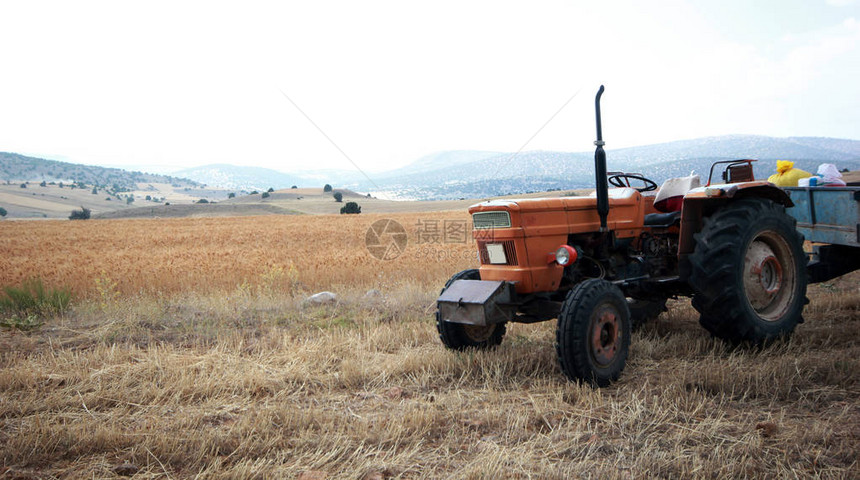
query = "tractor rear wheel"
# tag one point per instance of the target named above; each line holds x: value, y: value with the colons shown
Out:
x: 748, y: 272
x: 593, y: 333
x: 459, y: 336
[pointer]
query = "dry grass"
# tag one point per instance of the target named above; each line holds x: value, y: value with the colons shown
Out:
x: 248, y: 386
x: 243, y: 380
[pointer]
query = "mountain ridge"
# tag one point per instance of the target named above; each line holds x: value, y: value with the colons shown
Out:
x: 15, y: 168
x: 530, y: 171
x: 455, y: 174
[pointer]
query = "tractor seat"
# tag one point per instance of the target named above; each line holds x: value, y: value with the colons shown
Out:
x: 662, y: 220
x: 671, y: 194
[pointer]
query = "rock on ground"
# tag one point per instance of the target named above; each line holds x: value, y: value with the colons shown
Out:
x: 322, y: 298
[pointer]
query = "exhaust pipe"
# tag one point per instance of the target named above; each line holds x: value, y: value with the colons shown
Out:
x: 602, y: 188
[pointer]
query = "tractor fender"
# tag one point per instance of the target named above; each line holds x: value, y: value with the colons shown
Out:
x: 769, y: 191
x: 718, y: 194
x: 702, y: 202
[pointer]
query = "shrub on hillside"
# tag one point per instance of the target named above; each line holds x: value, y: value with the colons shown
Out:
x: 231, y: 195
x: 3, y: 212
x: 266, y: 195
x: 338, y: 197
x: 202, y: 200
x: 270, y: 190
x: 82, y: 214
x: 350, y: 207
x: 327, y: 188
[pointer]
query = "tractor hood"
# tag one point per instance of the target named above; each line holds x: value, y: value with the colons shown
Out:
x: 563, y: 215
x: 617, y: 196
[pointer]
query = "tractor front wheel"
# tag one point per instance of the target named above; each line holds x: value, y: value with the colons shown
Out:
x: 593, y: 333
x: 458, y: 336
x: 748, y: 272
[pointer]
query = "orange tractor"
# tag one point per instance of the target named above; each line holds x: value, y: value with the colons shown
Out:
x: 606, y: 263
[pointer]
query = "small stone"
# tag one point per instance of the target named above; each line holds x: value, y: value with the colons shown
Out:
x: 322, y: 298
x: 373, y: 294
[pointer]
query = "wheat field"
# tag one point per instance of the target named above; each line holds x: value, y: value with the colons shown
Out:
x: 189, y: 353
x: 208, y: 255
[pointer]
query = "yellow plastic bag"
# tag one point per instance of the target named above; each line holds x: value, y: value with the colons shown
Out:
x: 787, y: 175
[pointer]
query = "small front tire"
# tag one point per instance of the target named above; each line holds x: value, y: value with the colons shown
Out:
x: 593, y: 333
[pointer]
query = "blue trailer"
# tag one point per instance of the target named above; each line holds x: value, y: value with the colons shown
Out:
x: 829, y: 218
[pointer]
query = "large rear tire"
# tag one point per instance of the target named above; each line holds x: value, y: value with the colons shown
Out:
x: 748, y: 272
x: 593, y: 333
x: 458, y: 336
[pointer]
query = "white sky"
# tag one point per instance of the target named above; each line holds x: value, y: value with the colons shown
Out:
x: 188, y: 83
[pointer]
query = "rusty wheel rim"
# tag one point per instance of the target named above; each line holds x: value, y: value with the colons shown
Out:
x: 479, y: 333
x: 769, y: 275
x: 605, y: 335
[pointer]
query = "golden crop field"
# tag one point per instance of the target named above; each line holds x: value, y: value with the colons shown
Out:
x: 219, y: 254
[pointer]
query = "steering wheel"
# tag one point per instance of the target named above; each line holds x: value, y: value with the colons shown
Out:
x: 622, y: 180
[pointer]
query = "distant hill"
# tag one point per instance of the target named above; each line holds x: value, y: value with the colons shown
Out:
x: 483, y: 175
x: 19, y: 168
x: 456, y: 174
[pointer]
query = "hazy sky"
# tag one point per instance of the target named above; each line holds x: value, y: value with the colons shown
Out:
x: 188, y: 83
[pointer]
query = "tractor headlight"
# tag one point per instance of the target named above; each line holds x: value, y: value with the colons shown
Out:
x: 565, y: 255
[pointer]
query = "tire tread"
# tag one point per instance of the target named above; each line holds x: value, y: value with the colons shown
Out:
x: 572, y: 330
x: 717, y: 298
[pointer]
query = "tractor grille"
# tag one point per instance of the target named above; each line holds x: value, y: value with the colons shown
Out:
x: 510, y: 252
x: 482, y: 220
